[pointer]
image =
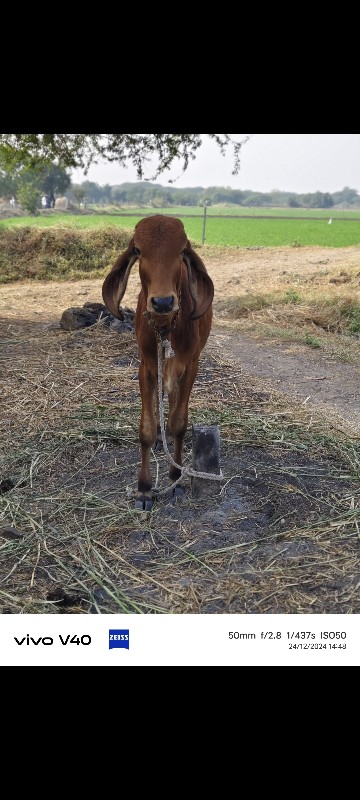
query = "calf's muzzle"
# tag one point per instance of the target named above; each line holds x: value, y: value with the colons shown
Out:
x: 162, y: 305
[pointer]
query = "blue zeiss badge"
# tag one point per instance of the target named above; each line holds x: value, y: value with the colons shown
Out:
x: 119, y: 639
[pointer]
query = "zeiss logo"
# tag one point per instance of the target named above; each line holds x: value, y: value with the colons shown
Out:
x: 119, y: 639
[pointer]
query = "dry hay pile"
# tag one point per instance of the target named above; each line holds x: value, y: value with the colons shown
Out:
x: 61, y: 253
x: 280, y: 535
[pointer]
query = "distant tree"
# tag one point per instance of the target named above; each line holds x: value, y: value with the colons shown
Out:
x: 327, y: 200
x: 205, y: 200
x: 220, y: 195
x: 237, y: 197
x: 79, y: 193
x: 186, y: 197
x: 134, y: 192
x: 94, y: 193
x: 305, y: 200
x: 316, y: 200
x: 54, y: 180
x: 258, y: 199
x: 118, y: 194
x: 106, y: 193
x: 28, y: 193
x: 281, y: 199
x: 7, y: 185
x: 321, y: 200
x: 45, y: 179
x: 347, y: 196
x: 72, y: 150
x: 145, y: 193
x: 162, y: 198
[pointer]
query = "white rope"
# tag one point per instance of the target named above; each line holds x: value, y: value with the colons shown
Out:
x: 164, y: 344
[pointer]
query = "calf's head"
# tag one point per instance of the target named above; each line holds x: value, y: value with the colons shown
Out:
x: 161, y: 246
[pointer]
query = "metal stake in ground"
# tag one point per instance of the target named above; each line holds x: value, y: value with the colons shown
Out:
x: 206, y: 458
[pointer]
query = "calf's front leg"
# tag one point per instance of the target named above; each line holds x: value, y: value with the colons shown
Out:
x: 147, y: 436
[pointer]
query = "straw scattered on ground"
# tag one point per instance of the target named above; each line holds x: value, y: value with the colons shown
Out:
x: 281, y: 533
x: 280, y: 536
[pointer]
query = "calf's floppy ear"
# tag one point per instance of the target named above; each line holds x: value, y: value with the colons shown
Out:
x: 200, y: 284
x: 115, y: 283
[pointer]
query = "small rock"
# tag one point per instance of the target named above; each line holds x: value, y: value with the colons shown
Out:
x: 97, y: 308
x: 117, y: 325
x: 75, y: 318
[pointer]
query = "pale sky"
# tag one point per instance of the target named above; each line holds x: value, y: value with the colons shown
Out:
x: 295, y: 162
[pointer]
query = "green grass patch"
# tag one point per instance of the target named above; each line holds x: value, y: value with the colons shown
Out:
x: 312, y: 341
x: 291, y: 296
x: 352, y: 315
x: 227, y: 231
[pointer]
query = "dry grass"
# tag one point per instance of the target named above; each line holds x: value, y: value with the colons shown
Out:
x: 59, y: 252
x: 308, y: 296
x: 315, y: 307
x: 282, y: 533
x: 281, y: 536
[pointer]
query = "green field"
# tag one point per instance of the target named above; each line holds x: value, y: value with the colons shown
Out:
x: 232, y: 232
x: 234, y: 211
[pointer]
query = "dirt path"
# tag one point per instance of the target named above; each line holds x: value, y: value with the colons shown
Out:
x: 306, y: 376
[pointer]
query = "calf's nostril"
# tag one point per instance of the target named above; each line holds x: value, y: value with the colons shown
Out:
x: 162, y: 304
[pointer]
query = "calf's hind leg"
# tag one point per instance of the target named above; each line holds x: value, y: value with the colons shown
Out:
x: 178, y: 415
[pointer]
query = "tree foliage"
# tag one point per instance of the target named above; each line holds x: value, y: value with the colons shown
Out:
x: 79, y: 192
x: 154, y: 195
x: 28, y: 196
x: 27, y: 183
x: 72, y: 150
x: 6, y: 185
x: 53, y: 180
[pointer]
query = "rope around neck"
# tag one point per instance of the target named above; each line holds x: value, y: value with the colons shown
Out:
x: 164, y: 344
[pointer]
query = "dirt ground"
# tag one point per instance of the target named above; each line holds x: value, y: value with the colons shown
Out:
x: 308, y: 376
x: 280, y: 536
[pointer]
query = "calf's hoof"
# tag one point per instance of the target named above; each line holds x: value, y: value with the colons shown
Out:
x: 143, y: 502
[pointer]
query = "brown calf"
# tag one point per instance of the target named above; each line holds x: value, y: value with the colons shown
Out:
x: 175, y: 302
